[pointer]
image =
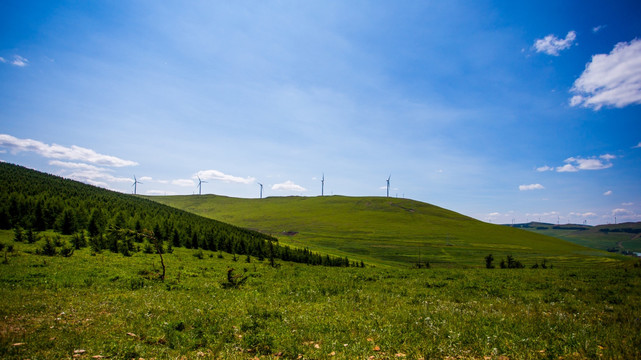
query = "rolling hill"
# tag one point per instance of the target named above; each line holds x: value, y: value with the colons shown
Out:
x: 385, y: 231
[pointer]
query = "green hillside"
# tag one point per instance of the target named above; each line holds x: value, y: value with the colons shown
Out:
x: 385, y: 231
x: 32, y: 202
x: 621, y: 238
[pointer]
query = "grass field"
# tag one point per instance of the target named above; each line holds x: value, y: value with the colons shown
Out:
x: 595, y: 236
x: 386, y: 231
x: 107, y: 305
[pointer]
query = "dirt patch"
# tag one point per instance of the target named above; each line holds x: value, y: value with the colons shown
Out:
x: 289, y: 233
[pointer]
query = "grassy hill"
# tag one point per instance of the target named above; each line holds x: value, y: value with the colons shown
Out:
x: 385, y: 231
x: 624, y: 237
x: 33, y: 202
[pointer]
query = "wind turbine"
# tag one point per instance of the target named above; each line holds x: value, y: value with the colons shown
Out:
x: 323, y: 185
x: 261, y: 190
x: 135, y: 184
x: 200, y: 182
x: 389, y: 177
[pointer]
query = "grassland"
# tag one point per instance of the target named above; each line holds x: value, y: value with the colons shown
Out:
x: 107, y: 305
x: 387, y: 231
x: 625, y: 236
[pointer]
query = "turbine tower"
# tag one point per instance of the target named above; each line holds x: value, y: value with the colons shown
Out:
x: 389, y: 177
x: 200, y: 182
x: 261, y: 190
x: 135, y: 184
x: 323, y: 185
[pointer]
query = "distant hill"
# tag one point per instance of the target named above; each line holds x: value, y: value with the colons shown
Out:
x: 35, y: 201
x: 385, y: 231
x: 620, y: 238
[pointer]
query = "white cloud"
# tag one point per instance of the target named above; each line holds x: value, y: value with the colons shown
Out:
x: 607, y: 193
x: 611, y: 79
x: 146, y: 178
x: 621, y: 212
x: 92, y: 176
x: 596, y: 29
x: 627, y: 204
x: 73, y: 165
x: 288, y: 186
x: 2, y: 60
x: 56, y: 151
x: 551, y: 45
x: 567, y: 168
x: 183, y: 182
x: 585, y: 214
x: 531, y: 187
x: 574, y: 164
x: 217, y: 175
x: 18, y: 61
x: 637, y: 145
x: 544, y: 168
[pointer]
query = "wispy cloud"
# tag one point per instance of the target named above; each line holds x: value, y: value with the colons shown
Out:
x: 544, y: 168
x: 183, y: 182
x: 551, y: 44
x: 607, y: 193
x: 596, y: 29
x: 218, y: 175
x: 288, y: 186
x: 585, y: 214
x: 19, y: 61
x: 611, y: 79
x: 531, y: 187
x: 574, y: 164
x: 56, y: 151
x: 74, y: 165
x: 637, y: 146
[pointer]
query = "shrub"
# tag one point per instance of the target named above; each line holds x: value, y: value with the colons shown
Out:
x: 233, y: 281
x: 48, y: 248
x: 66, y: 250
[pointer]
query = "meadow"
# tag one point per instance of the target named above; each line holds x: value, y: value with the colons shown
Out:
x: 106, y: 305
x: 387, y: 231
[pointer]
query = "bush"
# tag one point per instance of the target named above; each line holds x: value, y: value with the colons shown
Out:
x: 48, y: 248
x: 66, y: 250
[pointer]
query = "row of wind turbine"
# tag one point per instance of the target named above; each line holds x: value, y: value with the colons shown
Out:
x: 200, y: 184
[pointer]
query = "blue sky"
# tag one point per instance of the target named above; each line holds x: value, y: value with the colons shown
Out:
x: 498, y: 110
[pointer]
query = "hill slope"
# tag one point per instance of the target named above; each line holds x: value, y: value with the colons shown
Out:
x: 382, y: 230
x: 36, y: 201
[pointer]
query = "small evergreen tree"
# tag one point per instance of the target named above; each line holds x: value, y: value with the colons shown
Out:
x: 488, y: 262
x: 18, y: 234
x: 31, y: 236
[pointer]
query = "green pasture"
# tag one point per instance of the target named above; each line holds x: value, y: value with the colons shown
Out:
x: 109, y: 306
x: 595, y: 237
x: 386, y: 231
